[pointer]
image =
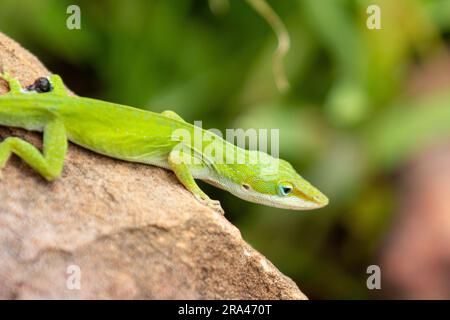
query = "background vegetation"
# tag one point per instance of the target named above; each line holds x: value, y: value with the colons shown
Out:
x: 349, y: 122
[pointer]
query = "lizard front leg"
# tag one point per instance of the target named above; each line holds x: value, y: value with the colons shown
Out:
x: 50, y: 162
x: 178, y: 165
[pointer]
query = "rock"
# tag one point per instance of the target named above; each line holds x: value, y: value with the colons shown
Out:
x: 126, y: 231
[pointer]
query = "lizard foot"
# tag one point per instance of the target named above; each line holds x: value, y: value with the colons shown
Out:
x: 213, y: 204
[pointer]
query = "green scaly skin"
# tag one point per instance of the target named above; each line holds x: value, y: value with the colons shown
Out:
x: 135, y: 135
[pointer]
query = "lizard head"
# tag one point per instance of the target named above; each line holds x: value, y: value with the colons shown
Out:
x: 278, y: 186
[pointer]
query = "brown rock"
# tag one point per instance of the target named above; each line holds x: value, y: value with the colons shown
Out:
x: 132, y: 230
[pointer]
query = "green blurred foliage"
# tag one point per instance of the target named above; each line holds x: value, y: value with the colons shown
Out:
x: 347, y: 123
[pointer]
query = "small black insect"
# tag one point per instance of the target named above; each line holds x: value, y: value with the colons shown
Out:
x: 41, y: 85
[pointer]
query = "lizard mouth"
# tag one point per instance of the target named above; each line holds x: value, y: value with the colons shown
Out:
x: 297, y: 202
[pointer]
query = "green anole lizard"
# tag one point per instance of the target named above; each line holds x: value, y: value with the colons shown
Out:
x: 136, y: 135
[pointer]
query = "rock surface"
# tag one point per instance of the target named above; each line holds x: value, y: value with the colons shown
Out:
x: 129, y: 231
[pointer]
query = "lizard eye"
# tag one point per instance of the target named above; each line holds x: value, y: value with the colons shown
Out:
x: 284, y: 188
